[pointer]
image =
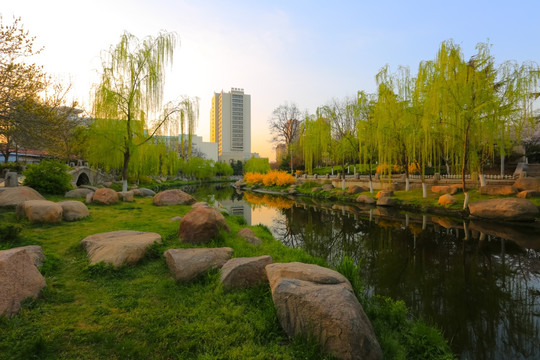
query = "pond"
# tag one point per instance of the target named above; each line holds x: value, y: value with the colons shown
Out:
x: 479, y: 282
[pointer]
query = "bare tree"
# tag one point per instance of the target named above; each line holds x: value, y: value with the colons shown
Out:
x: 285, y: 124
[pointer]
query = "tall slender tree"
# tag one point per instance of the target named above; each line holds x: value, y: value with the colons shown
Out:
x: 131, y: 90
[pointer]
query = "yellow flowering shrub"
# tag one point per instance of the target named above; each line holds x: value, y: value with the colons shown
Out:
x: 253, y: 178
x: 272, y: 178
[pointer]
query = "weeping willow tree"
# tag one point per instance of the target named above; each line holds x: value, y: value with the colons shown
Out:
x: 395, y: 132
x: 189, y: 116
x: 367, y: 128
x: 473, y: 110
x: 131, y: 90
x: 314, y: 139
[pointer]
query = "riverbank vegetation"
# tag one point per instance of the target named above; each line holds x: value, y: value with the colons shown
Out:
x: 455, y: 115
x: 141, y: 312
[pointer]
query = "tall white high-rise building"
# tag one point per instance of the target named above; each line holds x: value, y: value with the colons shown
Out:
x: 230, y: 125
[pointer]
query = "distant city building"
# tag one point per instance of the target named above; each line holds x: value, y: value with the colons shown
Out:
x: 230, y: 125
x: 200, y: 148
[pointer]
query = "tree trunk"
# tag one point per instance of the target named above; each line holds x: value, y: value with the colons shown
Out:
x: 466, y: 201
x: 407, y: 183
x: 424, y: 190
x: 125, y: 170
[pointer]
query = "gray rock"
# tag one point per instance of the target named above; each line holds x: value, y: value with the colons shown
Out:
x: 187, y: 264
x: 201, y: 225
x: 386, y: 201
x: 78, y: 193
x: 73, y: 210
x: 42, y: 211
x: 244, y: 272
x: 510, y: 209
x: 319, y: 303
x: 173, y: 197
x: 118, y: 247
x: 19, y: 279
x: 365, y: 199
x: 10, y: 197
x: 250, y: 236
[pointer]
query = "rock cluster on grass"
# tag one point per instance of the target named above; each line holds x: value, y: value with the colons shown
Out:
x: 173, y: 197
x: 19, y: 277
x: 119, y: 247
x: 45, y: 211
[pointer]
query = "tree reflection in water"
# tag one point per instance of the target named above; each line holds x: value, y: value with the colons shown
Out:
x: 483, y: 291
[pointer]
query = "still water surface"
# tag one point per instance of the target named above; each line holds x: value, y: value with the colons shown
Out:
x: 479, y: 282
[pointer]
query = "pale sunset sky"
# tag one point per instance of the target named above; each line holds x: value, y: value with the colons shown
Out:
x: 306, y: 52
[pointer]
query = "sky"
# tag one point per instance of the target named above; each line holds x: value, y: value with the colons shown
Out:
x: 292, y: 51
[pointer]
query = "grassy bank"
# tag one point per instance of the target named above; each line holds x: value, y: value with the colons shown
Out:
x: 140, y: 312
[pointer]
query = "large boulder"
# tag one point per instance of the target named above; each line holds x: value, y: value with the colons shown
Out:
x: 447, y: 200
x: 527, y: 183
x: 42, y: 211
x: 201, y: 225
x: 118, y: 247
x: 173, y: 197
x: 19, y: 279
x: 34, y: 251
x: 386, y: 201
x: 327, y: 187
x: 384, y: 193
x: 365, y: 199
x: 73, y: 210
x: 10, y: 197
x: 187, y: 264
x: 250, y: 236
x: 511, y: 209
x: 127, y: 196
x: 78, y: 193
x: 444, y: 189
x: 355, y: 189
x: 498, y: 190
x: 244, y: 272
x: 526, y: 194
x: 319, y: 303
x: 105, y: 196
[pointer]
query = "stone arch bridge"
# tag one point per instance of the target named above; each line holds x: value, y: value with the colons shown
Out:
x: 84, y: 175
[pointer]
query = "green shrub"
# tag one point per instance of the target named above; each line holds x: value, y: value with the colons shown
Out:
x: 48, y: 177
x: 351, y: 271
x: 9, y: 233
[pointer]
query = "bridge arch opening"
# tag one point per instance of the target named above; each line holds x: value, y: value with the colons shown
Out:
x: 83, y: 179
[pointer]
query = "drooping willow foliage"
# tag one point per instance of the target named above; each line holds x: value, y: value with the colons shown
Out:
x: 455, y: 113
x: 130, y: 93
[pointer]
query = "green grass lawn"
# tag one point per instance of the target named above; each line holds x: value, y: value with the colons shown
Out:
x: 140, y: 312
